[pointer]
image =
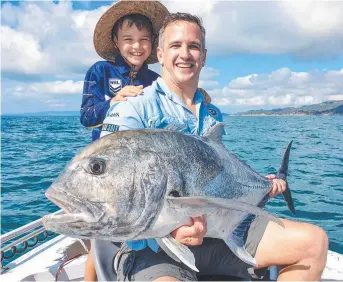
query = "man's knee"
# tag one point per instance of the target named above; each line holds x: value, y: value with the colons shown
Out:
x: 315, y: 242
x: 320, y: 243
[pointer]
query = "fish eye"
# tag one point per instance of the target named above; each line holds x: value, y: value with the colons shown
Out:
x: 97, y: 166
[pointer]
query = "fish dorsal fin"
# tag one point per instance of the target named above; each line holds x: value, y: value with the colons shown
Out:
x: 215, y: 133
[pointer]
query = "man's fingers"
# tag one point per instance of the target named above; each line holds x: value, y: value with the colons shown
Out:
x: 191, y: 241
x: 199, y: 226
x: 185, y: 234
x: 279, y: 186
x: 131, y: 93
x: 271, y: 176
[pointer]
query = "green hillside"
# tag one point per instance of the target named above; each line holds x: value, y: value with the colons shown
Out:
x: 325, y: 108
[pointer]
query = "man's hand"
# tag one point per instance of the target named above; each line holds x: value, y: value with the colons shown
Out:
x: 127, y: 91
x: 279, y: 185
x: 206, y: 96
x: 192, y: 235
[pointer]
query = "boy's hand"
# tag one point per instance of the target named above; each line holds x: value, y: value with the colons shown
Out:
x: 279, y: 185
x: 192, y: 235
x: 206, y: 96
x: 127, y: 91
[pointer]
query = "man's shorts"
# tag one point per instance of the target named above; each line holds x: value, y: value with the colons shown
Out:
x: 212, y: 257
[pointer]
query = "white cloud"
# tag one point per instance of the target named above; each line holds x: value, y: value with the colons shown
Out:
x: 54, y: 39
x: 45, y: 89
x: 208, y: 73
x: 221, y: 101
x: 256, y: 101
x: 208, y: 84
x: 21, y: 52
x: 51, y: 41
x: 48, y: 39
x: 304, y: 29
x: 281, y: 87
x: 335, y: 97
x: 55, y: 104
x: 277, y: 100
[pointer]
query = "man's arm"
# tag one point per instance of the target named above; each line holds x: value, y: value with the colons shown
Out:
x: 121, y: 116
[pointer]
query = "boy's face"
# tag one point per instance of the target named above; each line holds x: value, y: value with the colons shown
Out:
x: 134, y: 44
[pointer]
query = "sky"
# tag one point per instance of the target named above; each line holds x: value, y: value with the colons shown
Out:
x: 261, y: 55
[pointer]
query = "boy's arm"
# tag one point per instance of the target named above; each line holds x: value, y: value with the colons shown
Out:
x: 121, y: 116
x: 94, y: 106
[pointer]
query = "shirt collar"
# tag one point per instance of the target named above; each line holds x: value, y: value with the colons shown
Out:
x: 163, y: 88
x: 123, y: 66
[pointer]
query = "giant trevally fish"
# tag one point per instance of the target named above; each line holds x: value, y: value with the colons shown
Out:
x: 142, y: 184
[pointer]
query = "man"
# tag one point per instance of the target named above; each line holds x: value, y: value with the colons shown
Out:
x: 173, y: 102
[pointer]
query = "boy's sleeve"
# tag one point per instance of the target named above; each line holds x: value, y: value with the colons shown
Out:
x: 94, y: 106
x: 121, y: 116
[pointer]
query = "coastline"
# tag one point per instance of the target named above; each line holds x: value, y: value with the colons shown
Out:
x: 282, y: 115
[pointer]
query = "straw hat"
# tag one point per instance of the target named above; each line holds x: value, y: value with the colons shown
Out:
x: 153, y: 10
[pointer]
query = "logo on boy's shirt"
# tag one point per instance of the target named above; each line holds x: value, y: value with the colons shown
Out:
x: 110, y: 127
x: 115, y: 85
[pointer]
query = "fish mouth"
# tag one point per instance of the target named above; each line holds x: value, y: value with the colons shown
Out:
x: 75, y: 210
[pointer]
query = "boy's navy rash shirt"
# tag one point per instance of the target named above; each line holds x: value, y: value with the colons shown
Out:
x: 102, y: 82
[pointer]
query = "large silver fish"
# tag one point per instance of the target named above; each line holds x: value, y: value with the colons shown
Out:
x: 144, y: 184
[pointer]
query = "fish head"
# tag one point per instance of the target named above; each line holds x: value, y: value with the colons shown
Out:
x: 111, y: 190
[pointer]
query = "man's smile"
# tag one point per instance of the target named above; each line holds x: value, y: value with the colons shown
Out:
x: 184, y: 65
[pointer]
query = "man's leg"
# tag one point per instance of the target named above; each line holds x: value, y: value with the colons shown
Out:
x: 300, y: 247
x: 146, y: 265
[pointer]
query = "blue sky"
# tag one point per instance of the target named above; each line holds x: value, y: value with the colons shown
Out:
x: 260, y: 54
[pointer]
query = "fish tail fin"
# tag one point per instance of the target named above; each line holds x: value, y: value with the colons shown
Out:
x: 282, y: 174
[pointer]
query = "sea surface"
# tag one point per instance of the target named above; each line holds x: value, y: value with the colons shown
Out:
x: 34, y: 150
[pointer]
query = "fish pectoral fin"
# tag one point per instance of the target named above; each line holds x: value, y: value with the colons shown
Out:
x: 236, y: 245
x: 177, y: 251
x: 196, y: 206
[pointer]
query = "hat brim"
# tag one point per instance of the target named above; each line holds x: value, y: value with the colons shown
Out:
x: 103, y: 43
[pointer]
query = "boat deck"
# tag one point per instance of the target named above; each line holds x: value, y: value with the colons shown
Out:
x: 42, y: 263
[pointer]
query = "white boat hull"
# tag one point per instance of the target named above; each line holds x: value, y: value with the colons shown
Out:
x: 42, y: 263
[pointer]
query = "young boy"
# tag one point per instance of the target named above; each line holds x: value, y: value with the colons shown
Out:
x: 126, y: 37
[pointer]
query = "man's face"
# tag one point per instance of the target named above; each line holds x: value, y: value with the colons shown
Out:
x: 181, y: 55
x: 134, y: 44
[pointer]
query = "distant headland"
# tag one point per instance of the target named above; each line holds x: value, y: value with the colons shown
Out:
x: 328, y: 108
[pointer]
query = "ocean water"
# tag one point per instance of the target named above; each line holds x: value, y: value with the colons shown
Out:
x: 34, y: 150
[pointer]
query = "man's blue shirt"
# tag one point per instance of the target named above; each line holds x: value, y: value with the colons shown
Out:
x: 102, y: 82
x: 159, y: 107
